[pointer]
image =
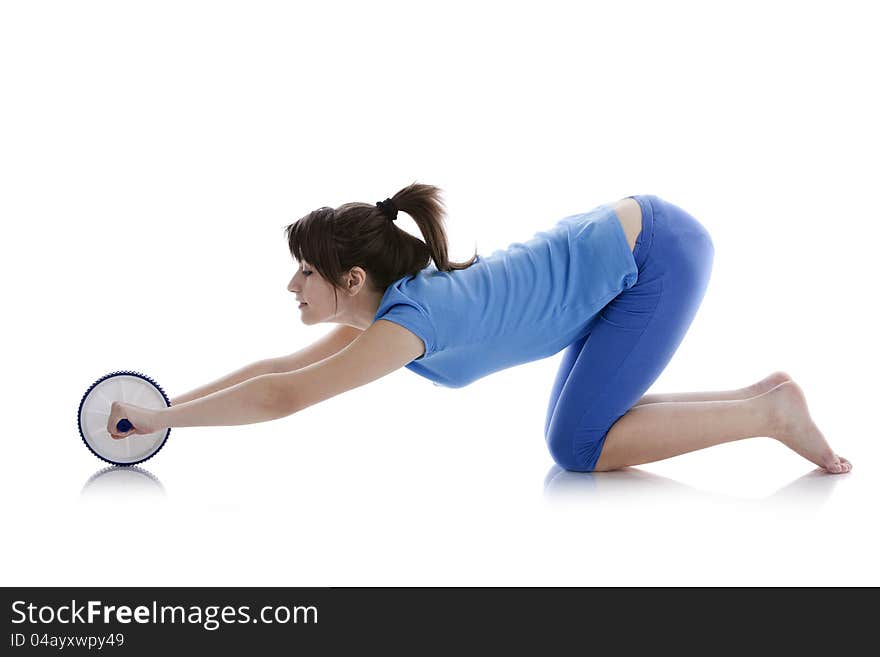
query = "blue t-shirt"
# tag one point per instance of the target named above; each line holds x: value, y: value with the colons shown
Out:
x: 525, y: 302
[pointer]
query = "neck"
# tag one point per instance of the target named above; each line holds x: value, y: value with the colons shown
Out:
x: 361, y: 309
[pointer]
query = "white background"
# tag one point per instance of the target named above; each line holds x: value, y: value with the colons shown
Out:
x: 153, y: 152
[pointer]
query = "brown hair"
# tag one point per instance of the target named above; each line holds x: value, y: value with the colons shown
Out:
x: 359, y: 234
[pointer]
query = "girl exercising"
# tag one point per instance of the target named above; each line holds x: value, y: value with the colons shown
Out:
x: 617, y: 287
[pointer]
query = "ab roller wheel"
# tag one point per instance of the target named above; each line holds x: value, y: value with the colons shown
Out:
x: 129, y: 388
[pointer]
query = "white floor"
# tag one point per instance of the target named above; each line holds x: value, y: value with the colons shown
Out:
x: 292, y: 502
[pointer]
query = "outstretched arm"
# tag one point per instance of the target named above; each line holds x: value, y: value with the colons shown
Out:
x: 243, y: 374
x: 325, y: 346
x: 381, y: 349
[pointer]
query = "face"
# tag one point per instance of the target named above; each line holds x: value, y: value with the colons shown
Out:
x: 310, y: 287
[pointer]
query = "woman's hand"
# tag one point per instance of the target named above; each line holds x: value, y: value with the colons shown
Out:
x: 143, y: 420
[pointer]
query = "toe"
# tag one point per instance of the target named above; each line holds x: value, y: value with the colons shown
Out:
x: 834, y: 466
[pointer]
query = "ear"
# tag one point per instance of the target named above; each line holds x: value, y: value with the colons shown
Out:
x: 355, y: 280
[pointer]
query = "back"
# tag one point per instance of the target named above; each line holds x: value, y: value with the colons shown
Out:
x: 519, y: 304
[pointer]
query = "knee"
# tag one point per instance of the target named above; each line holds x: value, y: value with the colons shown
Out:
x: 564, y: 454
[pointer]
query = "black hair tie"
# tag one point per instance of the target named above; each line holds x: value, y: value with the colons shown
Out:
x: 388, y: 209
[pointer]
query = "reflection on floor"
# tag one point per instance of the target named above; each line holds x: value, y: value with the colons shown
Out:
x: 808, y: 492
x: 122, y: 483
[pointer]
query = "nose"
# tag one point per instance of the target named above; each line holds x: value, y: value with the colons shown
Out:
x: 290, y: 287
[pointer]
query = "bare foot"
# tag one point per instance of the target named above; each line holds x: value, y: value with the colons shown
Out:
x: 768, y: 383
x: 793, y: 427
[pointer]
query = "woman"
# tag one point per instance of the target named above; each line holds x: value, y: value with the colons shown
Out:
x: 616, y: 286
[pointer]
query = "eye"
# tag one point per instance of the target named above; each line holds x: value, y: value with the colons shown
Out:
x: 306, y: 272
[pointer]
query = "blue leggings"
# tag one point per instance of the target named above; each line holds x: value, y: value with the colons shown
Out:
x: 632, y: 338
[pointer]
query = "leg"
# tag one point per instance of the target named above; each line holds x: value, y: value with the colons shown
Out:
x: 632, y: 339
x: 661, y: 430
x: 602, y: 376
x: 764, y: 385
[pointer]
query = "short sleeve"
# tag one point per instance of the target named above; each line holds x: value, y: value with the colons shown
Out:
x: 410, y: 316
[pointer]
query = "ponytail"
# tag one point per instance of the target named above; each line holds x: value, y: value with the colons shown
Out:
x: 361, y: 234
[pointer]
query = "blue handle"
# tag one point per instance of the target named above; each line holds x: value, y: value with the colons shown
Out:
x: 123, y: 426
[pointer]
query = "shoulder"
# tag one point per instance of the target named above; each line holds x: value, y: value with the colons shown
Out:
x: 396, y: 338
x: 405, y: 319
